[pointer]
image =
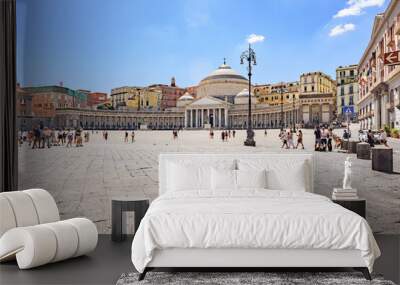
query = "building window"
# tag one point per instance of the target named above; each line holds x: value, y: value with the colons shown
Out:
x: 342, y: 91
x: 351, y: 91
x: 351, y: 102
x: 305, y: 88
x: 351, y: 72
x: 343, y: 104
x: 312, y: 88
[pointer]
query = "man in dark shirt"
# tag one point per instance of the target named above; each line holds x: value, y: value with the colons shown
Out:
x: 371, y: 138
x: 317, y: 134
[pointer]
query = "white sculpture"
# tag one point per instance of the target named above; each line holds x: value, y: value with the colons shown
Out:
x: 347, y: 174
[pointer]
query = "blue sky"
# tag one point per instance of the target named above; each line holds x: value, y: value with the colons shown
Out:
x: 102, y: 44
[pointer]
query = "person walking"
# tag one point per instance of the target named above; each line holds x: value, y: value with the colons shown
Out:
x: 36, y: 138
x: 317, y: 134
x: 323, y: 139
x: 41, y: 137
x: 300, y: 139
x: 223, y: 136
x: 30, y: 138
x: 265, y: 132
x: 78, y: 137
x: 290, y: 139
x: 133, y: 136
x: 47, y: 137
x: 330, y: 137
x: 370, y: 138
x: 233, y: 133
x: 383, y: 137
x: 283, y: 136
x: 106, y: 136
x: 126, y: 136
x: 64, y: 137
x: 70, y: 138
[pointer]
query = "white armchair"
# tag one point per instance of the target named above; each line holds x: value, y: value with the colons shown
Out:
x: 31, y: 230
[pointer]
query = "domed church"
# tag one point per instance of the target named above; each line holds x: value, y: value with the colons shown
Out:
x: 223, y: 83
x: 217, y: 94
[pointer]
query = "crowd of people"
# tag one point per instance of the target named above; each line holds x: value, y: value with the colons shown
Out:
x: 225, y: 134
x: 126, y: 138
x: 42, y: 137
x: 323, y: 138
x: 287, y: 138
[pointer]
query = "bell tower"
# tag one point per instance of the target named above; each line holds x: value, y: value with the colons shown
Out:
x: 173, y: 82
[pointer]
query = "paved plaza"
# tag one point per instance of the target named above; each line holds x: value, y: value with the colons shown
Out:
x: 83, y: 180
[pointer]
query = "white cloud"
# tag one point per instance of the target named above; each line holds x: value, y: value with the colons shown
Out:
x: 356, y: 7
x: 253, y: 38
x: 341, y: 29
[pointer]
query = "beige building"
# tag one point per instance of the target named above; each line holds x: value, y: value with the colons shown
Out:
x: 126, y: 97
x: 347, y: 92
x: 317, y: 98
x: 379, y: 95
x: 150, y: 99
x: 271, y: 93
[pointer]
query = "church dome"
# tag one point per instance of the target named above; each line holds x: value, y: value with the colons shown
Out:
x: 224, y: 71
x: 221, y: 83
x: 186, y: 97
x: 244, y: 93
x: 184, y: 100
x: 243, y: 97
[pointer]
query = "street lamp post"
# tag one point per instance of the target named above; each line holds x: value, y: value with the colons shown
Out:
x: 294, y: 114
x: 250, y: 56
x: 281, y: 90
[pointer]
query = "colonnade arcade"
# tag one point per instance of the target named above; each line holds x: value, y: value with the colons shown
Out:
x: 94, y: 119
x: 270, y: 117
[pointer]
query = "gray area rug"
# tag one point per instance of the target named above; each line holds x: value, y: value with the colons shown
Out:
x: 269, y: 278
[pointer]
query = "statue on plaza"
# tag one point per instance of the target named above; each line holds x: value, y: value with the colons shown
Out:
x: 347, y: 174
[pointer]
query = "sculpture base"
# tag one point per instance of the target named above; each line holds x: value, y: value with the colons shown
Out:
x: 250, y: 142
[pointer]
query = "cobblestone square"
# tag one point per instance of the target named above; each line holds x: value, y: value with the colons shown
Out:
x: 84, y: 179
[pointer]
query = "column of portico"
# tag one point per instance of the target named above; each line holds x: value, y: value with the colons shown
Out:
x: 201, y: 117
x: 214, y: 118
x: 199, y: 120
x: 226, y: 117
x: 196, y: 118
x: 185, y: 125
x: 208, y: 115
x: 219, y: 117
x: 190, y: 118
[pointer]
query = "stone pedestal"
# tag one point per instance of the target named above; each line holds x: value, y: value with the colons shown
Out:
x: 382, y: 159
x: 352, y: 147
x: 363, y: 150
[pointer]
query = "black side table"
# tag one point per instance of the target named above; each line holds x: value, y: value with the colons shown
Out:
x: 357, y: 206
x: 125, y: 204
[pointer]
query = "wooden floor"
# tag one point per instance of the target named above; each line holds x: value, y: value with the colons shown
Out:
x: 111, y: 259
